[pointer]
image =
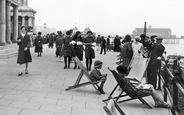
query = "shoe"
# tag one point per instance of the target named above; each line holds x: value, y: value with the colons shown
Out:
x: 65, y: 67
x: 26, y: 72
x: 75, y: 67
x: 20, y: 74
x: 163, y: 105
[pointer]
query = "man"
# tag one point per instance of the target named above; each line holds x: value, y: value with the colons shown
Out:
x: 155, y: 61
x: 108, y: 43
x: 103, y: 45
x: 98, y: 41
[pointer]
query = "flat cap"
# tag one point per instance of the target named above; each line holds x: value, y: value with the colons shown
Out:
x: 159, y: 38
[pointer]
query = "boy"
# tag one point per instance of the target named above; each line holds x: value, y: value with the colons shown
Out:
x: 96, y: 75
x: 144, y: 88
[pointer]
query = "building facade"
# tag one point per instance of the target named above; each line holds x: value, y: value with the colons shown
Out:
x: 5, y: 21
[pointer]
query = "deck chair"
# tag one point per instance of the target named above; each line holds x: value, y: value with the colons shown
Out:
x: 137, y: 69
x: 112, y: 107
x: 83, y: 72
x: 129, y: 90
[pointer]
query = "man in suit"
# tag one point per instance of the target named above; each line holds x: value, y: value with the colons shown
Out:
x: 157, y: 49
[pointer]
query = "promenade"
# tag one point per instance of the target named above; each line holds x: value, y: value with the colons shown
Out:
x: 42, y: 91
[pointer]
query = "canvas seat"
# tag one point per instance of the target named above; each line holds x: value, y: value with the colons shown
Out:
x: 84, y: 72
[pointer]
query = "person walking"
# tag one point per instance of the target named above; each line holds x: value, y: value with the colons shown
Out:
x: 136, y: 46
x: 67, y: 49
x: 38, y: 44
x: 117, y: 43
x: 78, y: 47
x: 156, y: 53
x: 59, y: 45
x: 24, y: 55
x: 108, y: 43
x: 89, y: 51
x: 103, y: 45
x: 98, y: 41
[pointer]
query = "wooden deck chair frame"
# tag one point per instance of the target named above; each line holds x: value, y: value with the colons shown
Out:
x: 136, y: 96
x: 111, y: 108
x: 83, y: 72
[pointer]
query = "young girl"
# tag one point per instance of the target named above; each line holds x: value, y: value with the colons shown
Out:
x: 96, y: 75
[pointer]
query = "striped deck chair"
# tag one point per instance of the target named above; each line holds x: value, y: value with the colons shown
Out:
x: 128, y: 90
x: 83, y: 72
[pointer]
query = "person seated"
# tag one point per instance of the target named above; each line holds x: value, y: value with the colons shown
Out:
x: 96, y: 75
x: 148, y: 88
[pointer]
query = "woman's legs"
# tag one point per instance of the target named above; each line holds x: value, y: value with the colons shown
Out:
x: 69, y: 59
x: 87, y: 63
x: 20, y: 70
x: 65, y: 60
x: 90, y: 63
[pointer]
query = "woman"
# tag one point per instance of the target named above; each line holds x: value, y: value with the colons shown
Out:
x: 136, y: 46
x: 38, y: 44
x: 67, y: 48
x: 78, y: 47
x: 24, y: 55
x: 89, y: 52
x: 59, y: 45
x: 127, y: 51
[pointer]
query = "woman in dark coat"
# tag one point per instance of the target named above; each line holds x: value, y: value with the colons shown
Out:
x: 89, y: 52
x: 24, y: 55
x: 67, y: 48
x: 78, y: 47
x: 38, y: 44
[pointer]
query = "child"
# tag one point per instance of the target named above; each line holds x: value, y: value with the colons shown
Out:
x: 96, y: 75
x: 147, y: 88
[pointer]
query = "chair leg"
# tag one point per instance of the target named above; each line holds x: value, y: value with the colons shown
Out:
x: 144, y: 102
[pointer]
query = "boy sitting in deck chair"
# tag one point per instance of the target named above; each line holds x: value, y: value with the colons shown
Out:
x: 96, y: 75
x: 144, y: 88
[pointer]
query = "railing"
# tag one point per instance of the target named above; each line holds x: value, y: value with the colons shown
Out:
x: 171, y: 76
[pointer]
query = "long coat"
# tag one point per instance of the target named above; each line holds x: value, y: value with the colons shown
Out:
x: 38, y: 44
x: 67, y: 48
x: 24, y: 56
x: 78, y: 49
x: 59, y: 45
x: 127, y: 53
x: 154, y: 63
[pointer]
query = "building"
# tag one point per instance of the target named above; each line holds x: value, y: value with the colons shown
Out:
x: 5, y: 21
x: 162, y: 32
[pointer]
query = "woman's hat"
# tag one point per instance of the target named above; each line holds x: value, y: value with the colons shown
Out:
x: 97, y: 63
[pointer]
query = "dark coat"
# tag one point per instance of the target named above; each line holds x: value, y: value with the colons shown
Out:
x: 67, y: 48
x: 24, y: 56
x: 78, y: 49
x: 38, y: 44
x: 127, y: 53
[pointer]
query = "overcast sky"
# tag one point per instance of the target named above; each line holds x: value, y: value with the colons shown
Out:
x: 110, y: 16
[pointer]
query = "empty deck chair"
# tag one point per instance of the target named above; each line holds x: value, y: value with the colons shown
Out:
x: 129, y: 91
x: 83, y: 72
x: 112, y: 108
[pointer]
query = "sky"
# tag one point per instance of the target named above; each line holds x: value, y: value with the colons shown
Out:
x: 118, y: 17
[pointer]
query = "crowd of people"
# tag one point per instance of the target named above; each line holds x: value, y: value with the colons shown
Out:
x: 71, y: 44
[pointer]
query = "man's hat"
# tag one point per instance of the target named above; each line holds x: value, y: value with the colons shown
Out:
x: 97, y: 63
x: 159, y: 38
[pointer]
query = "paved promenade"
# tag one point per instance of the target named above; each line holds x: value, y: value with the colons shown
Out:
x: 42, y: 91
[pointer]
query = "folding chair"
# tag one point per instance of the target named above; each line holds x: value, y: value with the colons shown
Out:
x: 129, y: 90
x: 111, y: 108
x: 85, y: 72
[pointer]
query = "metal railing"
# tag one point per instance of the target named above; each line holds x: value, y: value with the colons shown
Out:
x: 171, y: 77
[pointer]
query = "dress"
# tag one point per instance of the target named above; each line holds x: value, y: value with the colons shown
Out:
x: 59, y: 45
x: 136, y: 47
x: 78, y: 48
x: 89, y: 52
x: 127, y: 53
x: 24, y: 56
x: 67, y: 48
x: 38, y: 44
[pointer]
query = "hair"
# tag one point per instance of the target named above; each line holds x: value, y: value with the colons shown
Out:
x: 23, y: 27
x: 127, y: 38
x: 121, y: 69
x: 90, y: 32
x: 76, y: 35
x: 39, y: 33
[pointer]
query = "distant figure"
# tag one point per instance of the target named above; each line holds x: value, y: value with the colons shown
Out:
x: 24, y: 55
x: 103, y: 45
x: 59, y: 46
x: 38, y: 44
x: 117, y: 43
x: 108, y: 43
x: 98, y: 42
x: 51, y: 40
